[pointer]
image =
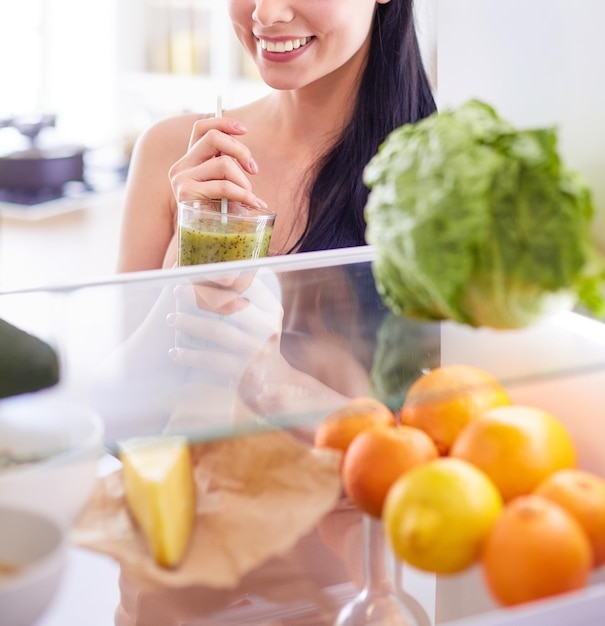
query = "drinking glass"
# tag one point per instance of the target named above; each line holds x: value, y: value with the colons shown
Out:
x: 211, y: 231
x: 378, y: 603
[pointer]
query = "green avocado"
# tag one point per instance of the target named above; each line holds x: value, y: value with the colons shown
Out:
x: 26, y: 363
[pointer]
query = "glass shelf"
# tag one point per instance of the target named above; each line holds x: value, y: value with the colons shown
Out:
x: 336, y: 340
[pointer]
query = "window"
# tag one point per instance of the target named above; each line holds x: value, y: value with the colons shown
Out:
x: 59, y: 57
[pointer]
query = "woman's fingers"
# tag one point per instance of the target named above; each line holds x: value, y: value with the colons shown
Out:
x: 213, y: 137
x: 213, y: 344
x: 244, y: 296
x: 221, y: 294
x: 219, y: 168
x: 221, y: 329
x: 236, y: 281
x: 213, y: 180
x: 264, y: 315
x: 211, y: 297
x: 218, y: 363
x: 215, y: 332
x: 224, y: 124
x: 216, y: 164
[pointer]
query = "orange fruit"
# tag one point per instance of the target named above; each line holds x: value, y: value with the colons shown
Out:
x: 377, y: 457
x: 438, y: 514
x: 444, y: 400
x: 536, y: 549
x: 583, y: 495
x: 339, y: 428
x: 517, y: 447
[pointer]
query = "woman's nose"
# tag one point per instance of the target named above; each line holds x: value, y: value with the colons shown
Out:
x: 268, y: 12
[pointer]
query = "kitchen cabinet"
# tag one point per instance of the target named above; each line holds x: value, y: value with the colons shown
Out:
x: 178, y: 55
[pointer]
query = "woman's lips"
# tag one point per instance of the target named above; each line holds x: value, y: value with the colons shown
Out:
x: 283, y: 49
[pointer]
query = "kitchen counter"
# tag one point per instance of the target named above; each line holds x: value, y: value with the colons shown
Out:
x: 77, y: 241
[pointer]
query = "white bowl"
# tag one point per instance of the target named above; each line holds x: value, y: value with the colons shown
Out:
x: 58, y: 443
x: 33, y: 552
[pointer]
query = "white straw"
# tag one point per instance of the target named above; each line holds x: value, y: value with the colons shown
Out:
x: 219, y: 113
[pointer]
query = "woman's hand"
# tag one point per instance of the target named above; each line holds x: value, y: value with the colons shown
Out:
x: 216, y: 164
x: 230, y: 332
x: 222, y: 325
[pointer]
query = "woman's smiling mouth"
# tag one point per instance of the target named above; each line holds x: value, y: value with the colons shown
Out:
x: 286, y: 45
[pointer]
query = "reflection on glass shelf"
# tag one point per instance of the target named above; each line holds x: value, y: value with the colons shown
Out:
x: 312, y: 333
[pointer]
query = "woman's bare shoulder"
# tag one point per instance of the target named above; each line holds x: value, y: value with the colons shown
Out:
x: 172, y: 133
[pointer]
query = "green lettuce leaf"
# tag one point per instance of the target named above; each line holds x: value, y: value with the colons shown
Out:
x: 477, y: 221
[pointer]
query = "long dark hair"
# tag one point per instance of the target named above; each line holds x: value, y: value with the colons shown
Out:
x: 394, y: 90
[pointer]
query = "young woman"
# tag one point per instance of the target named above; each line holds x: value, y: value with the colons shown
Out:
x: 344, y: 74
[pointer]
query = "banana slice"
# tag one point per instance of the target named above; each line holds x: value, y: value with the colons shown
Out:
x: 160, y: 491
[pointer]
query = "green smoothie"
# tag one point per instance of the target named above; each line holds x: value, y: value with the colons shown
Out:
x: 212, y: 241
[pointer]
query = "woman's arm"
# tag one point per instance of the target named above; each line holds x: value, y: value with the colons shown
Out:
x: 148, y: 221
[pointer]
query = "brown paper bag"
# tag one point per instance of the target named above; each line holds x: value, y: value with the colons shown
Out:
x: 257, y: 496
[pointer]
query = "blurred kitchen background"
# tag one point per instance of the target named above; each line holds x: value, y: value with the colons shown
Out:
x: 107, y: 68
x: 80, y: 79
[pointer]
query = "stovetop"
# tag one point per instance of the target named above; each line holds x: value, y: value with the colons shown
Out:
x: 102, y: 176
x: 33, y: 197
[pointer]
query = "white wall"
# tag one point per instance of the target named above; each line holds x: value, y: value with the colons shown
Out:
x: 426, y: 28
x: 20, y: 55
x: 60, y: 56
x: 540, y: 63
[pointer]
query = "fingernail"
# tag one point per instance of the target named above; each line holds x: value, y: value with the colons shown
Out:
x: 239, y: 127
x: 261, y: 204
x: 171, y: 319
x: 253, y: 166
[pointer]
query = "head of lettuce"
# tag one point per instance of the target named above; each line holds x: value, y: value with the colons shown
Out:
x: 476, y: 221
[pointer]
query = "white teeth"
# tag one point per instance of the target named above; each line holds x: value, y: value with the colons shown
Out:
x: 283, y: 46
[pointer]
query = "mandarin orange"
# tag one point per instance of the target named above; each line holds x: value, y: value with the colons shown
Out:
x: 377, y: 457
x: 339, y: 428
x: 445, y: 399
x: 535, y: 549
x: 583, y: 495
x: 517, y: 447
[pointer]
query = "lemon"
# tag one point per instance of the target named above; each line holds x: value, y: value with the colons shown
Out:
x: 160, y: 492
x: 438, y: 514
